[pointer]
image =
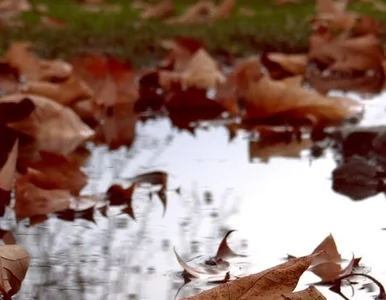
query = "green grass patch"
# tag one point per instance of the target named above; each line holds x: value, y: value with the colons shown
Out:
x: 125, y: 35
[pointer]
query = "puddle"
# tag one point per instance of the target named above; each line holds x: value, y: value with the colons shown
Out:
x: 283, y: 206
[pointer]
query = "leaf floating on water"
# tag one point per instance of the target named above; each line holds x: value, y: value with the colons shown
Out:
x: 7, y: 172
x: 270, y: 284
x: 224, y: 251
x: 55, y: 128
x: 15, y: 262
x: 310, y: 293
x: 207, y: 273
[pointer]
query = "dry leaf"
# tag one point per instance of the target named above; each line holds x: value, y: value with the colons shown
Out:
x: 330, y: 251
x: 310, y: 293
x: 282, y: 65
x: 7, y: 172
x: 266, y: 285
x: 14, y: 261
x: 264, y: 150
x: 55, y: 128
x: 20, y: 57
x: 66, y: 93
x: 200, y: 72
x: 266, y: 98
x: 224, y: 9
x: 353, y: 64
x: 65, y: 174
x: 32, y: 200
x: 200, y: 12
x: 213, y: 272
x: 163, y: 9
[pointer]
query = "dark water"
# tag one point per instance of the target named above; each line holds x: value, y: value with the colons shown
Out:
x: 278, y: 205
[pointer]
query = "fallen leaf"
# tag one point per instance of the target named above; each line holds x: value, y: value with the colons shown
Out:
x: 55, y: 128
x: 265, y: 99
x: 268, y: 284
x: 7, y: 172
x: 310, y: 293
x: 354, y: 64
x: 27, y: 64
x: 32, y: 200
x: 329, y: 251
x: 358, y: 179
x: 330, y: 271
x: 66, y: 93
x: 200, y: 12
x: 201, y: 72
x: 117, y: 195
x: 210, y: 273
x: 59, y: 170
x: 163, y: 9
x: 225, y: 9
x: 282, y: 65
x: 14, y: 262
x: 265, y: 149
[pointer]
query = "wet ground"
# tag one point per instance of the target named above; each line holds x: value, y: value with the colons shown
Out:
x: 278, y: 205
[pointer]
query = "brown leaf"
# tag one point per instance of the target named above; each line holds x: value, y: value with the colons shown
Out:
x: 266, y: 285
x: 117, y: 128
x: 15, y: 262
x: 282, y: 65
x: 210, y: 274
x: 265, y: 149
x: 264, y: 98
x: 67, y: 175
x: 32, y: 200
x: 200, y: 12
x: 331, y: 6
x: 7, y: 237
x: 224, y: 9
x: 310, y: 293
x: 163, y: 9
x: 202, y: 72
x: 353, y: 64
x: 7, y: 172
x: 330, y: 251
x: 55, y: 128
x: 224, y: 251
x: 329, y: 271
x: 66, y: 93
x: 27, y: 64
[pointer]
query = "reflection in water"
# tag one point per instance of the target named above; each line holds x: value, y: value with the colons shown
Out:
x: 285, y: 206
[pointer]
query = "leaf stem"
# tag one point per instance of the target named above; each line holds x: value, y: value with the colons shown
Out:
x: 382, y: 292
